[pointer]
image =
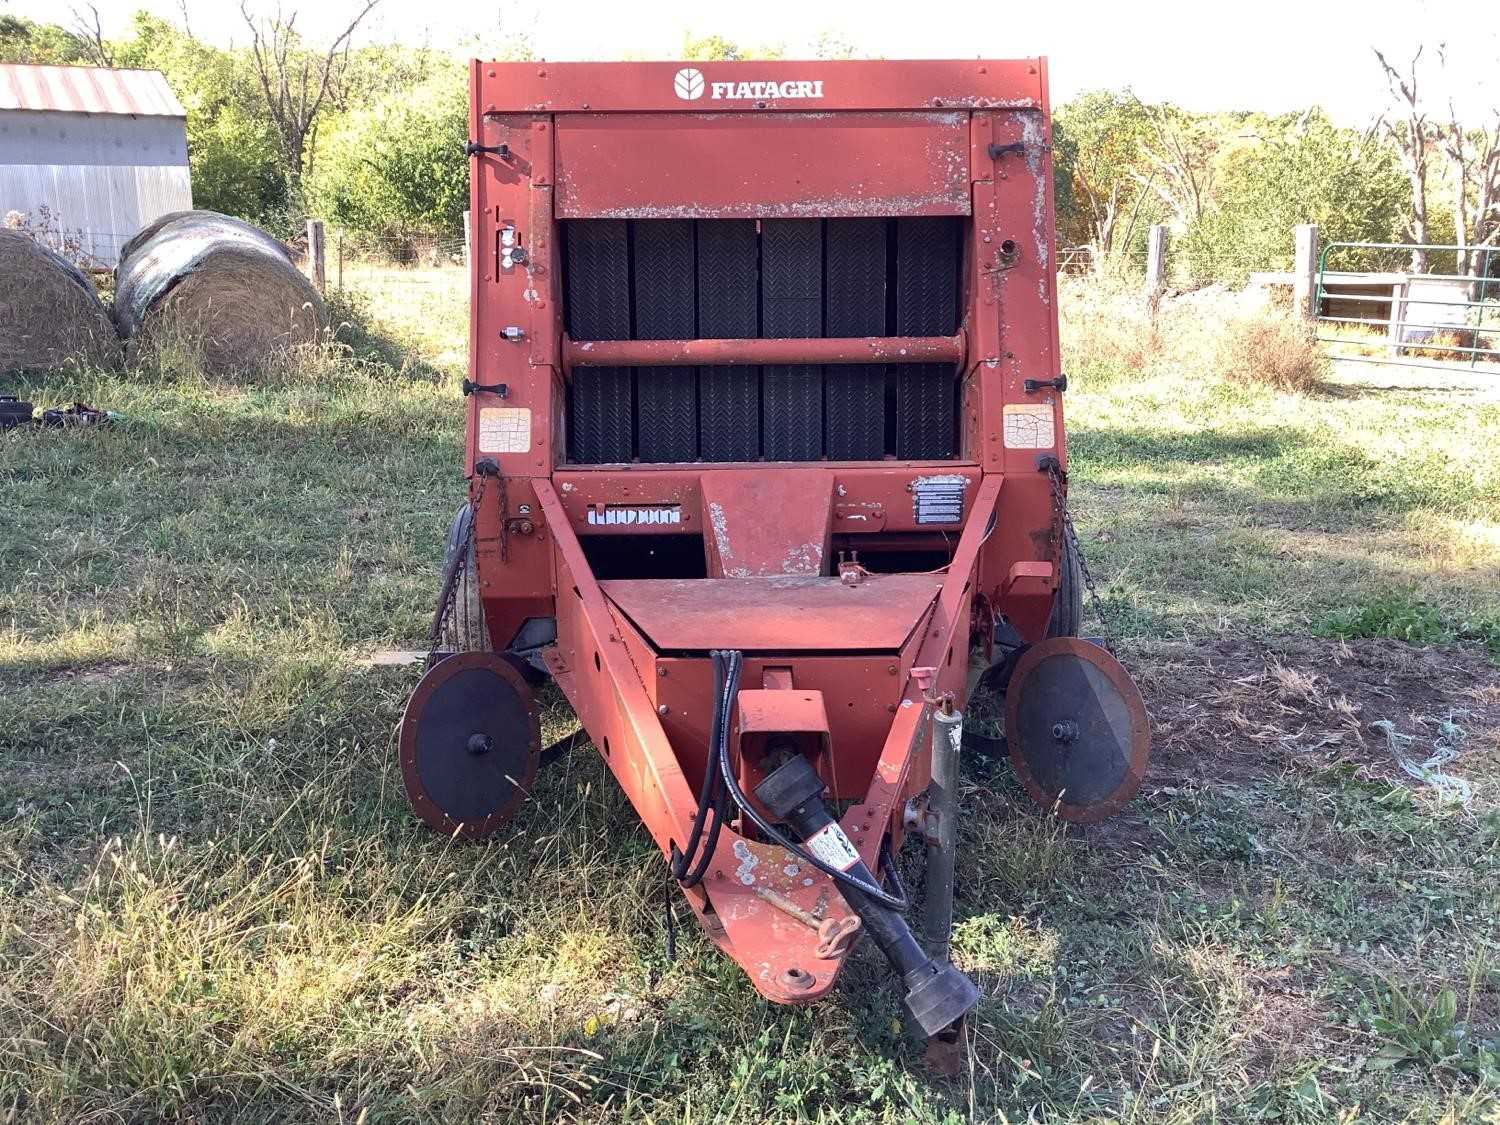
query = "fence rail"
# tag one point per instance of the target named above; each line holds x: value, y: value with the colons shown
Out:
x: 1425, y: 313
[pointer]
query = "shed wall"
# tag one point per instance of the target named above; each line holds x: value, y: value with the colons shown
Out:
x: 101, y: 177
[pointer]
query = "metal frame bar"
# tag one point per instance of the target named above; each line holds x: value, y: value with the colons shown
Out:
x: 754, y: 352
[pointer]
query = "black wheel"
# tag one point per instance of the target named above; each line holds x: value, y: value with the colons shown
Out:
x: 1067, y: 606
x: 464, y: 629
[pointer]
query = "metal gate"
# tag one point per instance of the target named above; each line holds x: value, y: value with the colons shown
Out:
x: 1371, y: 309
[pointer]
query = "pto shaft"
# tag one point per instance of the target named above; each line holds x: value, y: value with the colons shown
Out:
x: 937, y: 994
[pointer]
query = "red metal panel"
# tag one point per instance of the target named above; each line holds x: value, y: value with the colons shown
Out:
x: 822, y: 84
x: 692, y: 353
x: 766, y: 523
x: 867, y: 498
x: 791, y: 614
x: 511, y: 205
x: 756, y: 166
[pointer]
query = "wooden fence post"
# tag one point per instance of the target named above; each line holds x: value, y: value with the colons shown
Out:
x: 1305, y: 272
x: 1156, y: 265
x: 317, y: 264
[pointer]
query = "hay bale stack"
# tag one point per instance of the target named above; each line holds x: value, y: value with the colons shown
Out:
x: 50, y: 313
x: 217, y: 287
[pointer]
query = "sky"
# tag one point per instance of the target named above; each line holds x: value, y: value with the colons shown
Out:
x: 1272, y: 55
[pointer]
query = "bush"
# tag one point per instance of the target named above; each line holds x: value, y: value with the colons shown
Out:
x: 1272, y: 350
x: 1108, y: 330
x: 399, y: 165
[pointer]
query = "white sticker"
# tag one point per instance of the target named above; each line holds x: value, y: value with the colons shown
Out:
x: 831, y: 846
x: 1029, y: 425
x: 504, y: 429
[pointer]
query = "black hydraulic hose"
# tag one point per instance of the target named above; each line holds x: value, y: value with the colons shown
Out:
x: 723, y: 705
x: 771, y: 831
x: 711, y: 795
x: 706, y: 791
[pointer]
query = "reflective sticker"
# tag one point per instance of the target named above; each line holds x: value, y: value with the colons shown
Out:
x: 504, y: 429
x: 1029, y: 425
x: 616, y: 515
x: 833, y: 847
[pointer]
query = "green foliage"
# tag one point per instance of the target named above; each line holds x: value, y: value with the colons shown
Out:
x: 1303, y: 170
x: 399, y: 164
x: 715, y: 48
x: 235, y: 161
x: 1397, y: 616
x: 1099, y: 138
x: 38, y: 44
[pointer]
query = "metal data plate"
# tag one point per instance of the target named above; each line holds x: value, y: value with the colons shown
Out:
x: 1077, y: 730
x: 470, y: 741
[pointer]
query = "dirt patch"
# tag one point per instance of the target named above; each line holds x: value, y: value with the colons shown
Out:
x: 1237, y: 710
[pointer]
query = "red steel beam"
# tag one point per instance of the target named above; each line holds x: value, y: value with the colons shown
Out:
x: 754, y: 353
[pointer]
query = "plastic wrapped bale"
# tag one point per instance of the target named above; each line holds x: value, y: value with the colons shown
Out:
x: 50, y: 312
x: 216, y: 287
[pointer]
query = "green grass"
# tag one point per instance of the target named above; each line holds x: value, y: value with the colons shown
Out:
x: 216, y: 906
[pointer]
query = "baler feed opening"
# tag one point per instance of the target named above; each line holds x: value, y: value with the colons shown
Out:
x: 773, y: 279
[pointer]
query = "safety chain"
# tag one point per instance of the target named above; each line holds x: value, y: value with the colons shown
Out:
x: 1063, y: 532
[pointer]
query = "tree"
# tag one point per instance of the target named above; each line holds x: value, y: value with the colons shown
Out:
x: 233, y: 150
x: 1179, y: 154
x: 38, y: 44
x: 1300, y: 169
x: 1414, y: 137
x: 398, y: 165
x: 715, y: 48
x: 295, y: 81
x: 89, y: 32
x: 1474, y: 162
x: 1101, y: 136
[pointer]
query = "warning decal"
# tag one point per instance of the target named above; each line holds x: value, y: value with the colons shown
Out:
x: 504, y: 429
x: 1029, y: 425
x: 833, y: 847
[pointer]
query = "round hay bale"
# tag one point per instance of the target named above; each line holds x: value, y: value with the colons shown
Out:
x: 216, y: 287
x: 50, y: 312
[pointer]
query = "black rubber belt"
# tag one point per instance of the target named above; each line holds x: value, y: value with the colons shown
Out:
x: 854, y: 396
x: 728, y: 298
x: 926, y: 305
x: 792, y: 306
x: 666, y: 397
x: 598, y: 286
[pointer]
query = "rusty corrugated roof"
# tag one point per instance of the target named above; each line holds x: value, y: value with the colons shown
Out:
x: 88, y: 89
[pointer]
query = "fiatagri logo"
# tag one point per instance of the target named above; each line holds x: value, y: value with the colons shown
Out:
x: 690, y: 85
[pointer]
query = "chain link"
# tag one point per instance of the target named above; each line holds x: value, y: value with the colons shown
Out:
x: 1064, y: 534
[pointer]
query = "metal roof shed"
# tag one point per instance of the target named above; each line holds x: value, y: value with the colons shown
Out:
x: 100, y: 153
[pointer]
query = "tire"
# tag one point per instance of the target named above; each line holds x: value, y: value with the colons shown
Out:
x: 1067, y: 606
x: 466, y: 629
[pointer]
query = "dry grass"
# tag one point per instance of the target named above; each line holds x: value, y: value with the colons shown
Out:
x: 1109, y: 330
x: 216, y: 907
x: 1271, y: 350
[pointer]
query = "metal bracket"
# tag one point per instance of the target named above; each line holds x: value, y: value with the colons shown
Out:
x: 998, y: 150
x: 473, y: 148
x: 471, y: 387
x: 1033, y: 385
